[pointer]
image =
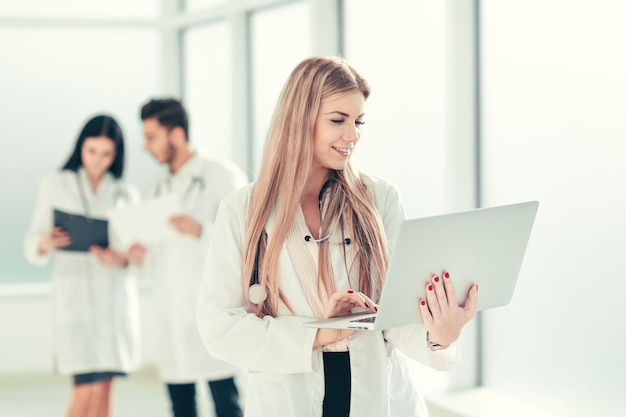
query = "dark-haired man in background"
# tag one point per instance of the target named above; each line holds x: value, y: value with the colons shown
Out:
x: 177, y: 265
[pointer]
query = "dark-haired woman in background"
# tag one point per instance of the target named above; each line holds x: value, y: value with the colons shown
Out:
x: 95, y: 312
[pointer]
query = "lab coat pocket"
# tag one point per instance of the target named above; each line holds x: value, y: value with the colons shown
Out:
x: 267, y: 395
x: 71, y: 300
x: 404, y: 398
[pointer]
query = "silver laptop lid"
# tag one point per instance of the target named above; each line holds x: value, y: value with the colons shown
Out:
x: 484, y: 245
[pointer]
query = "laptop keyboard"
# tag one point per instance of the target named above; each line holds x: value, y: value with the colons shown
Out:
x: 365, y: 320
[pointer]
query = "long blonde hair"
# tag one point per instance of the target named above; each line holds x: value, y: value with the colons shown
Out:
x: 285, y: 167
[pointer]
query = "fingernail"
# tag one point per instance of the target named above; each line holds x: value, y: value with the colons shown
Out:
x: 476, y: 287
x: 376, y: 309
x: 423, y: 302
x: 430, y: 287
x: 446, y: 275
x: 367, y: 305
x: 436, y: 279
x: 350, y: 291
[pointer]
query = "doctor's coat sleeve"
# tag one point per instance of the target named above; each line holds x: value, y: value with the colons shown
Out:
x: 40, y: 224
x: 229, y: 330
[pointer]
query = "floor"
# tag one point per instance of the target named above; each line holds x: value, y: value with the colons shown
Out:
x: 139, y: 394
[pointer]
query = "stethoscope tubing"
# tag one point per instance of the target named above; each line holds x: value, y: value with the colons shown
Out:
x: 196, y: 179
x: 120, y: 194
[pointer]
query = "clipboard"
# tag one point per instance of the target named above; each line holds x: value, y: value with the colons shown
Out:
x: 84, y: 231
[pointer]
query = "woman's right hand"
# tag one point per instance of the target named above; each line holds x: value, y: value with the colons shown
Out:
x: 54, y: 239
x: 341, y: 303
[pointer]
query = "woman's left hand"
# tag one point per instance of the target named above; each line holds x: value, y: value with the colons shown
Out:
x: 443, y: 317
x: 107, y: 256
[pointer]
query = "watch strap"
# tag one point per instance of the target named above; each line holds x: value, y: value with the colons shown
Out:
x: 435, y: 346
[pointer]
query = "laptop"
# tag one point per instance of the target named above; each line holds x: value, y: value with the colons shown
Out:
x: 484, y: 246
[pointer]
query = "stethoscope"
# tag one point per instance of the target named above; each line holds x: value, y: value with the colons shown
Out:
x: 196, y: 181
x: 256, y: 293
x: 120, y: 198
x: 320, y: 204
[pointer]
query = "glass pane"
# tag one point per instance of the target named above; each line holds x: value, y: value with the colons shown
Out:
x: 47, y: 95
x: 404, y: 61
x: 207, y: 92
x: 96, y: 9
x: 404, y: 136
x: 274, y: 55
x: 192, y: 5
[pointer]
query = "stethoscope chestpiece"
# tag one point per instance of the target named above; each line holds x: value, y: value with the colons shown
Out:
x: 256, y: 294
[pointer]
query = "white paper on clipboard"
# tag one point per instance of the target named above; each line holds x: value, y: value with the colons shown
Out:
x: 146, y: 223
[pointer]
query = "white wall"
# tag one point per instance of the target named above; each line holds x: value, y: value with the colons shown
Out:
x: 555, y: 130
x: 25, y: 329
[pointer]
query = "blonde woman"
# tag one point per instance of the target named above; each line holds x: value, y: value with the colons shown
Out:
x: 310, y: 239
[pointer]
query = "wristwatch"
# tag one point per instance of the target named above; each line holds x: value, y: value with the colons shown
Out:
x: 434, y: 346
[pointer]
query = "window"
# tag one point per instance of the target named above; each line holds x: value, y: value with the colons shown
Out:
x: 207, y: 87
x: 280, y: 40
x: 404, y: 135
x: 192, y: 5
x: 49, y: 93
x: 72, y: 9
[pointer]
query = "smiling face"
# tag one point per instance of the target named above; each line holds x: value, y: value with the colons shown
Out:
x: 337, y: 130
x: 97, y: 154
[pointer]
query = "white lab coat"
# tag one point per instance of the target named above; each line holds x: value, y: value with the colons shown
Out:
x: 176, y: 266
x: 95, y: 309
x: 285, y: 373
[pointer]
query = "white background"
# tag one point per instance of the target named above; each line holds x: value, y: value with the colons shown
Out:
x: 553, y: 124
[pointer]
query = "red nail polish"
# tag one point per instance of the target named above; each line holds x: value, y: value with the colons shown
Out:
x: 423, y: 302
x: 436, y: 279
x: 367, y: 305
x: 376, y: 309
x: 350, y: 291
x: 446, y: 275
x: 430, y: 287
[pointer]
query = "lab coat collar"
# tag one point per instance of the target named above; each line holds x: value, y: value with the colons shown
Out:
x: 188, y: 169
x: 107, y: 178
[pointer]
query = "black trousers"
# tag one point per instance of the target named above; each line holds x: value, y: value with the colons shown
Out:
x: 337, y: 384
x: 224, y: 393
